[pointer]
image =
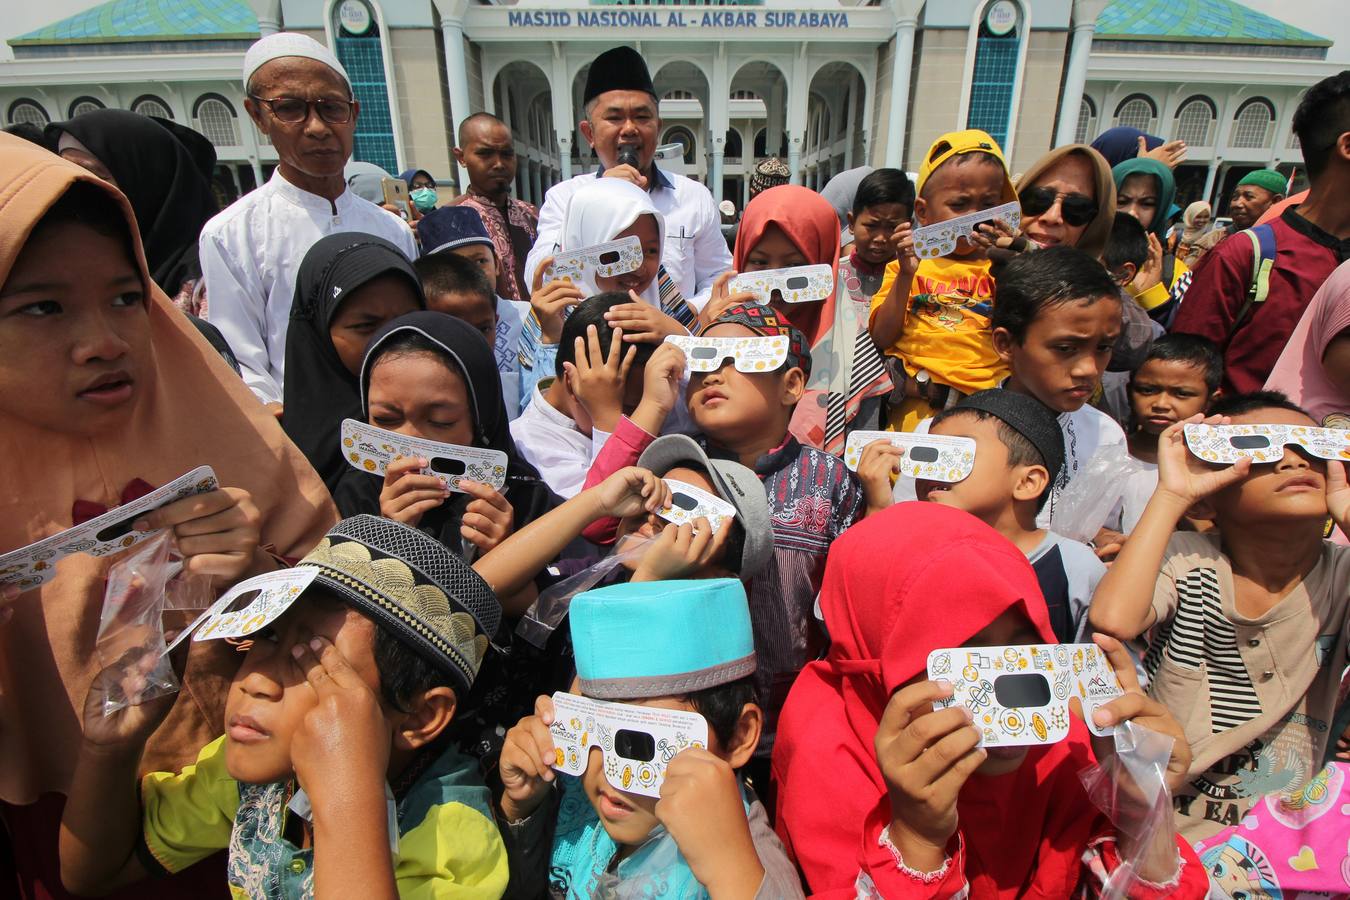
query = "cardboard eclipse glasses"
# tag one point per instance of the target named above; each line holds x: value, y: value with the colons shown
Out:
x: 795, y: 284
x: 598, y: 261
x: 751, y: 354
x: 932, y: 457
x: 1226, y: 444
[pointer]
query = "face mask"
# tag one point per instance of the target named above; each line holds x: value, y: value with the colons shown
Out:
x: 424, y: 199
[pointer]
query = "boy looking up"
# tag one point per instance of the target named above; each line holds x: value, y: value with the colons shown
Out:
x: 1248, y: 624
x: 673, y: 645
x: 345, y: 696
x: 933, y: 315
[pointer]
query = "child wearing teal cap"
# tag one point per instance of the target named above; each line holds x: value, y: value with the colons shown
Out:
x: 679, y: 645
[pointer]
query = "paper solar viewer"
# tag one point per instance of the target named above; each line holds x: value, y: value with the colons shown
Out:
x: 932, y: 457
x: 638, y: 742
x: 601, y: 260
x: 1226, y: 444
x: 372, y: 449
x: 249, y: 606
x: 795, y: 284
x: 689, y: 503
x: 110, y: 533
x: 940, y: 239
x: 751, y: 354
x: 1020, y: 695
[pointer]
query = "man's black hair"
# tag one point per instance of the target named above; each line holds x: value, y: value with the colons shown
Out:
x: 1041, y: 278
x: 1128, y: 243
x: 1021, y: 452
x: 403, y: 673
x: 449, y: 273
x: 1323, y: 115
x: 721, y: 706
x: 469, y: 121
x: 1241, y: 404
x: 591, y: 311
x: 884, y: 186
x: 1192, y: 350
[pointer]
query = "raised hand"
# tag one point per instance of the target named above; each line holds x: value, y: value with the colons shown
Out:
x: 551, y: 301
x: 1338, y: 495
x: 722, y: 300
x: 631, y: 491
x: 408, y: 494
x: 526, y: 763
x: 1169, y: 153
x: 880, y: 461
x: 641, y: 322
x: 701, y: 807
x: 682, y: 550
x: 598, y: 379
x: 1150, y: 273
x: 903, y: 240
x: 489, y: 517
x: 126, y: 679
x: 1187, y: 478
x: 216, y: 533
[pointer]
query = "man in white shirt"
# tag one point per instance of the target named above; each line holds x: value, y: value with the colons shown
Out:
x: 299, y: 96
x: 622, y: 125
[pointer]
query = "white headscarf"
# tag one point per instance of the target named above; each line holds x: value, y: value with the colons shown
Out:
x: 601, y: 211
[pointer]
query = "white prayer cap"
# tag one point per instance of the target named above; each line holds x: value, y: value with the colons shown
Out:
x: 289, y: 43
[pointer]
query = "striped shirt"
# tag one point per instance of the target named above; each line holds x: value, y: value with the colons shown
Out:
x: 1255, y: 696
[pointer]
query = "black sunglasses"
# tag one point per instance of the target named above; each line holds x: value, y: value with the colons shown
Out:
x: 1077, y: 209
x: 293, y: 109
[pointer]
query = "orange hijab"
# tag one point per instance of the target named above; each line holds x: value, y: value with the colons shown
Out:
x: 845, y: 367
x: 192, y: 410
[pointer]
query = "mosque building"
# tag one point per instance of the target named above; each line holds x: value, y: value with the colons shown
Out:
x: 826, y: 85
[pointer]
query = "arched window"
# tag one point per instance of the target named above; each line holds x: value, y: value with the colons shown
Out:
x: 744, y: 95
x: 684, y: 137
x: 356, y: 31
x: 214, y: 117
x: 1087, y: 121
x: 733, y: 148
x: 82, y: 105
x: 1252, y: 124
x: 997, y: 47
x: 1195, y: 122
x: 29, y: 112
x: 150, y: 105
x: 761, y: 143
x: 678, y: 95
x: 1137, y: 111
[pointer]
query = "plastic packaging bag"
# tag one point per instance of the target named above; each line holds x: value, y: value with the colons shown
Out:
x: 548, y: 609
x: 1130, y: 787
x: 1082, y: 508
x: 130, y: 644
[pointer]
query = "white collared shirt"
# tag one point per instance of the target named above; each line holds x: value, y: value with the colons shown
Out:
x: 550, y: 442
x: 694, y: 254
x: 250, y: 254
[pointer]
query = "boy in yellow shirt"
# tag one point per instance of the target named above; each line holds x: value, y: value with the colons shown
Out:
x: 933, y: 315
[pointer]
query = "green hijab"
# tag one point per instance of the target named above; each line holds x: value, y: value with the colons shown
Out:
x: 1167, y: 187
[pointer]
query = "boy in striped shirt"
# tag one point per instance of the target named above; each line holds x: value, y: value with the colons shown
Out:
x: 1246, y: 625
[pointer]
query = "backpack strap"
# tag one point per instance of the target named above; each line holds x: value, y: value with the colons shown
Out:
x: 1169, y: 268
x: 1263, y: 260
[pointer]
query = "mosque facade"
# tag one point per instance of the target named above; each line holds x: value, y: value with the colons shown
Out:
x: 826, y: 85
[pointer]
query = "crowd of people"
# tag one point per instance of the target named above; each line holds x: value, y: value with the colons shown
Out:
x: 650, y: 604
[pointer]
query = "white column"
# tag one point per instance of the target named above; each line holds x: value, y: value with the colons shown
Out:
x: 456, y: 72
x: 1209, y: 186
x: 719, y: 120
x: 269, y: 16
x: 901, y: 65
x: 564, y: 126
x: 1085, y: 13
x: 799, y: 93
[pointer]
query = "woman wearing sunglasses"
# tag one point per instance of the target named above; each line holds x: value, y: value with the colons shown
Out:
x: 1069, y: 198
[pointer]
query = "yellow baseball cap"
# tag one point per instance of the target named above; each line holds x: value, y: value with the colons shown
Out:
x: 954, y: 143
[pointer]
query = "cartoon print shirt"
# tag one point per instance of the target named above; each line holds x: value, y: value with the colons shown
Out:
x: 946, y: 329
x: 1255, y: 697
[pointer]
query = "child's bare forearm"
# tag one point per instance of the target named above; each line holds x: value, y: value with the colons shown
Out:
x: 888, y: 322
x: 512, y: 565
x: 1122, y: 605
x: 351, y: 848
x: 101, y: 823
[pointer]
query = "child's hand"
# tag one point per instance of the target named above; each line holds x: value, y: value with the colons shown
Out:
x: 925, y: 757
x: 1186, y: 478
x: 489, y: 517
x: 1170, y: 154
x: 216, y: 533
x: 661, y: 380
x: 340, y: 751
x: 1000, y: 241
x: 1338, y: 495
x: 681, y: 550
x: 526, y: 763
x: 701, y: 807
x: 598, y: 379
x: 641, y: 322
x: 1108, y: 544
x: 879, y: 463
x: 1150, y: 273
x: 631, y: 491
x: 1137, y: 706
x: 130, y: 727
x: 721, y: 300
x: 551, y: 301
x: 408, y: 494
x: 903, y: 240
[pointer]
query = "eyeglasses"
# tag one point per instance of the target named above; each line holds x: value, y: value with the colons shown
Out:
x: 1077, y: 209
x: 292, y: 110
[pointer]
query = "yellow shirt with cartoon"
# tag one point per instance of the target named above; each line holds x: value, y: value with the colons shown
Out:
x: 946, y: 331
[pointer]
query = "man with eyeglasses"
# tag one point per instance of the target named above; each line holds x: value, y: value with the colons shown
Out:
x: 300, y: 97
x: 623, y: 125
x: 1302, y: 247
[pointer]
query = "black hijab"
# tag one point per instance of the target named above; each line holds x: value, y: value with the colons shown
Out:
x: 461, y: 346
x: 164, y: 170
x: 319, y: 392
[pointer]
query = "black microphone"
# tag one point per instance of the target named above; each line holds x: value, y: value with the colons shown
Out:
x: 628, y: 156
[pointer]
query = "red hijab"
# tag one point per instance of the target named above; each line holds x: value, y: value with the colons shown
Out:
x: 898, y: 585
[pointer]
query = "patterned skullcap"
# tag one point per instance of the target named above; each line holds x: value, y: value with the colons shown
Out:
x: 769, y: 173
x: 414, y: 588
x: 766, y: 322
